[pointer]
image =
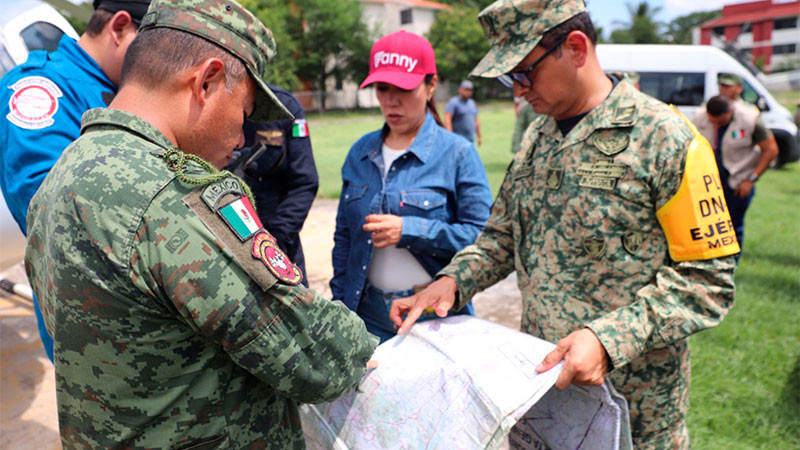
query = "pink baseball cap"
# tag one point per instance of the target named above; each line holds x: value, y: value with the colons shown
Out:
x: 401, y: 59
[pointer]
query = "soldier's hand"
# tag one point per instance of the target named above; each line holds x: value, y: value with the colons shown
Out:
x: 585, y: 359
x: 386, y: 229
x: 372, y: 364
x: 439, y: 295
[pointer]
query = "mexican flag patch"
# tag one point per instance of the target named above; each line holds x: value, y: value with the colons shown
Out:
x: 241, y: 217
x: 738, y: 134
x: 300, y: 128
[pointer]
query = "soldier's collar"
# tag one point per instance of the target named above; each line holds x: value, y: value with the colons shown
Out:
x: 618, y: 110
x: 115, y: 118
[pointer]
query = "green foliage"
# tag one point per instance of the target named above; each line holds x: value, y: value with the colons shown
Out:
x: 78, y: 24
x: 791, y: 63
x: 679, y: 30
x: 282, y: 70
x: 332, y: 135
x: 459, y: 43
x: 331, y: 40
x: 642, y: 27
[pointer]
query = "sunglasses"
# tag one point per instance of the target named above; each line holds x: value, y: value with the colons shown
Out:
x: 521, y: 77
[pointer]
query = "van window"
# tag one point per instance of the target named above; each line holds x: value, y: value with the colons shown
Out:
x: 41, y: 36
x: 6, y: 63
x: 750, y: 95
x: 679, y: 89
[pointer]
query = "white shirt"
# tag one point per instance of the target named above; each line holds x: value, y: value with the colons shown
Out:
x: 395, y: 269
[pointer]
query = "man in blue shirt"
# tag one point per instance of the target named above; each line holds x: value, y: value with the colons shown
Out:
x: 283, y: 175
x: 461, y: 114
x: 44, y: 98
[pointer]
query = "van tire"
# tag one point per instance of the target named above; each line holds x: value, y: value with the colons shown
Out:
x: 788, y: 148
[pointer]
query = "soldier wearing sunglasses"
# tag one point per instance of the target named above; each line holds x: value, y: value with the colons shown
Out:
x: 599, y: 215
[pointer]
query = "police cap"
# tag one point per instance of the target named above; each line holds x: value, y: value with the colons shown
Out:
x: 136, y: 8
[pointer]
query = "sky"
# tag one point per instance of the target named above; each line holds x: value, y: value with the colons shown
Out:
x: 605, y: 12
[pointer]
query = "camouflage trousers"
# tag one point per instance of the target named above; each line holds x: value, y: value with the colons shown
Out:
x: 675, y: 437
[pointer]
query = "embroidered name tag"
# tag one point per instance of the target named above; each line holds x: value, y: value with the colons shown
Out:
x: 213, y: 192
x: 600, y: 175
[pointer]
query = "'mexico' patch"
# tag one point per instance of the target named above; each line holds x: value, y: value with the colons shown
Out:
x: 241, y: 217
x: 266, y: 249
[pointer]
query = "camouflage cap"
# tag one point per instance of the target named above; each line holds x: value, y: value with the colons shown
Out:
x: 515, y: 27
x: 233, y: 28
x: 729, y: 79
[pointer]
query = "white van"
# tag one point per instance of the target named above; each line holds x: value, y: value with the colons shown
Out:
x: 686, y: 76
x: 28, y: 25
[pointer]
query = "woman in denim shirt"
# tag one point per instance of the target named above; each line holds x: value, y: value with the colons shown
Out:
x: 413, y: 193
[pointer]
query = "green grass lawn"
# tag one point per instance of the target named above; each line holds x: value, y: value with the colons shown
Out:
x: 333, y: 134
x: 745, y: 390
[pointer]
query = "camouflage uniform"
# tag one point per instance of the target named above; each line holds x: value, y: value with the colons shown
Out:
x: 576, y: 218
x: 171, y: 329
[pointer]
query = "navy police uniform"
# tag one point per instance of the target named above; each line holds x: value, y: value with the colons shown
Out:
x: 283, y: 177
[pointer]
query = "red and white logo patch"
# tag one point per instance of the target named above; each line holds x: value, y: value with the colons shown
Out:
x: 34, y: 103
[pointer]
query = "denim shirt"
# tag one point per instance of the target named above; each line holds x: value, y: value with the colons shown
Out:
x: 438, y: 187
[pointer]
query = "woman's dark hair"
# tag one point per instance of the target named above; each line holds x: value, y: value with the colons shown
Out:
x: 431, y: 105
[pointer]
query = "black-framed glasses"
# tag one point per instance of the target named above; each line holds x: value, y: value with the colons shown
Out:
x: 521, y: 77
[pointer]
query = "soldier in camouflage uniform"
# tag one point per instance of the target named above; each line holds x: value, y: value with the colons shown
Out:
x: 178, y: 322
x: 612, y: 216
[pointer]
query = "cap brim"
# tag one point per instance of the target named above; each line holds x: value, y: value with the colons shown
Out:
x: 268, y: 108
x: 502, y: 58
x: 403, y: 80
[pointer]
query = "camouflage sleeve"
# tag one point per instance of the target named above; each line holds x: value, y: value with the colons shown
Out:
x: 305, y: 347
x: 491, y: 258
x: 684, y: 297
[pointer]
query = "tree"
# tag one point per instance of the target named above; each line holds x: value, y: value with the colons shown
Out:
x: 642, y: 28
x: 282, y: 70
x: 459, y: 42
x: 474, y: 4
x: 679, y: 30
x: 331, y: 40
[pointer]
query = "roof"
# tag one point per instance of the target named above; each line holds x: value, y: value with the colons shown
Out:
x: 425, y: 4
x: 754, y: 12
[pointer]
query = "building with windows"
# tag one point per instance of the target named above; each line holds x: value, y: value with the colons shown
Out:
x: 388, y: 16
x: 381, y: 17
x: 769, y: 30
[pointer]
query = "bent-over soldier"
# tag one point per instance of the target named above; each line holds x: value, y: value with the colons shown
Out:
x: 612, y: 216
x: 178, y: 321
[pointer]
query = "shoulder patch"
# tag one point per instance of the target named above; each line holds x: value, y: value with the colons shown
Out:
x: 240, y: 216
x: 300, y: 128
x: 265, y: 248
x: 33, y: 103
x: 232, y: 244
x: 215, y: 191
